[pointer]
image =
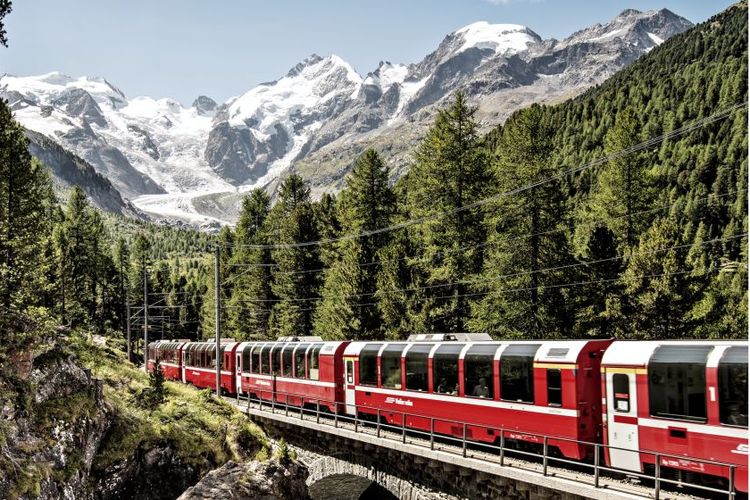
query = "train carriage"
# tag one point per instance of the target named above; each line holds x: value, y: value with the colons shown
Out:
x: 199, y: 365
x: 168, y: 353
x: 682, y: 400
x: 526, y: 389
x: 299, y: 371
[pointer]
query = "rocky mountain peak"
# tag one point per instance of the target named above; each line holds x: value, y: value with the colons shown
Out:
x: 308, y: 61
x: 205, y: 105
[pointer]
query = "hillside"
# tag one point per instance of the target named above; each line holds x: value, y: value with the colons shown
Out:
x: 691, y: 190
x: 78, y: 425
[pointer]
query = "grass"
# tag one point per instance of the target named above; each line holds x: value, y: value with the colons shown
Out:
x: 203, y: 431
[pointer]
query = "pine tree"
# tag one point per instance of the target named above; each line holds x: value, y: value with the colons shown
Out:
x: 82, y: 262
x: 656, y: 282
x: 250, y: 273
x: 295, y: 281
x: 527, y: 234
x: 26, y: 216
x: 367, y: 204
x: 451, y: 171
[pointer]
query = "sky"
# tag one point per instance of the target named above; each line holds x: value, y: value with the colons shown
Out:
x: 185, y: 48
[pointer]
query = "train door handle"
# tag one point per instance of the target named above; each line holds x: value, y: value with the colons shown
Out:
x: 677, y: 433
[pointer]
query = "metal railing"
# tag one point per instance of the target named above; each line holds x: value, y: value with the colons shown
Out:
x: 281, y: 400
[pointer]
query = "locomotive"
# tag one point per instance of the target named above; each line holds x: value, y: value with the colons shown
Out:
x: 682, y: 401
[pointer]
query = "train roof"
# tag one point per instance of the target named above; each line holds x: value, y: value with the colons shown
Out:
x: 547, y: 351
x: 327, y: 347
x: 638, y: 353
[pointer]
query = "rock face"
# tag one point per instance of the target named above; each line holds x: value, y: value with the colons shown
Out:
x: 267, y: 480
x: 52, y: 430
x: 321, y: 115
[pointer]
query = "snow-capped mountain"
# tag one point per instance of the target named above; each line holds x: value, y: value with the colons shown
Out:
x: 194, y: 163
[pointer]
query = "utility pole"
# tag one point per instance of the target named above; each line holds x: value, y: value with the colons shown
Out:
x: 145, y: 319
x: 217, y: 299
x: 127, y: 322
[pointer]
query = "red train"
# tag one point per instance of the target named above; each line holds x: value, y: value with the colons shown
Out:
x: 685, y: 401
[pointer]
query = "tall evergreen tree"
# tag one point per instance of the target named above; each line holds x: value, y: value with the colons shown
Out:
x: 250, y: 273
x: 656, y: 281
x: 527, y: 234
x: 25, y: 218
x: 450, y: 171
x: 367, y: 204
x: 82, y: 261
x: 295, y: 281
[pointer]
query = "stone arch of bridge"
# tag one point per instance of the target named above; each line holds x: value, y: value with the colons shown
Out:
x: 349, y: 463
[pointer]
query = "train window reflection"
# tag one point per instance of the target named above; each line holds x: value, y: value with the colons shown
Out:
x: 478, y: 371
x: 677, y: 382
x: 733, y: 387
x: 517, y: 373
x: 276, y: 359
x: 621, y: 390
x: 416, y: 367
x: 313, y: 362
x: 265, y: 365
x: 554, y: 387
x: 368, y: 364
x: 390, y: 366
x: 286, y: 358
x: 445, y: 369
x: 246, y: 358
x: 299, y: 360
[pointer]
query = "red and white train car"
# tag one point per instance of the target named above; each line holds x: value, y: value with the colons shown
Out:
x: 199, y: 365
x: 305, y: 371
x: 679, y: 398
x: 168, y: 352
x: 526, y: 388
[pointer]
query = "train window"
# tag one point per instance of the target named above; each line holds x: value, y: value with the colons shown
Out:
x: 313, y: 362
x: 255, y: 359
x: 517, y: 373
x: 286, y: 357
x: 390, y: 366
x: 478, y: 372
x: 677, y: 382
x: 445, y: 369
x: 554, y: 387
x: 265, y: 364
x: 299, y: 361
x: 733, y: 386
x: 246, y: 358
x: 416, y: 367
x: 368, y: 364
x: 621, y: 392
x: 276, y: 359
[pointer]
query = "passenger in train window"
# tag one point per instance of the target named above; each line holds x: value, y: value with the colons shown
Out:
x: 481, y: 390
x: 442, y: 386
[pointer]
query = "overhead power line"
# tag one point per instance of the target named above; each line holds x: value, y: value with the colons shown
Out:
x: 494, y: 278
x: 450, y: 251
x: 720, y: 115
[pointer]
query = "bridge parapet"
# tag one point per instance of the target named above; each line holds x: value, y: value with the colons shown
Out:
x: 412, y: 467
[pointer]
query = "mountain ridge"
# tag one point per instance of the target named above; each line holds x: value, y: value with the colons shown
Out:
x: 317, y: 118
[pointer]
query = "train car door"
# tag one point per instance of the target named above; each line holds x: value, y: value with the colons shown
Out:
x: 238, y: 371
x: 622, y: 419
x: 183, y: 369
x: 349, y: 392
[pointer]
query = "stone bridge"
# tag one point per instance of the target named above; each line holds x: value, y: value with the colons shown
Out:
x: 409, y: 466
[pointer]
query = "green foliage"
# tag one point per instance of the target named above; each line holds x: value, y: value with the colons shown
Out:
x: 527, y: 234
x: 366, y: 204
x: 295, y: 281
x: 450, y: 171
x: 27, y: 212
